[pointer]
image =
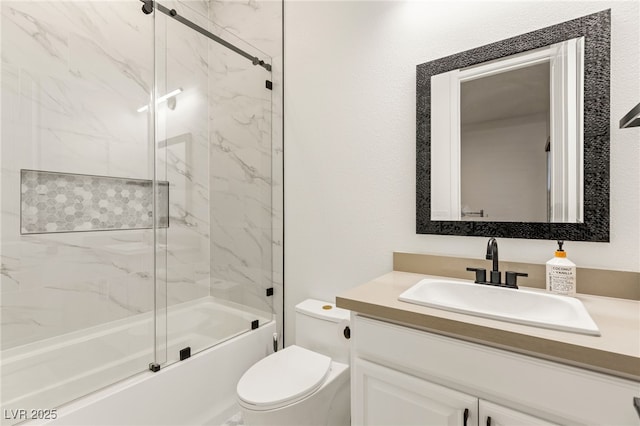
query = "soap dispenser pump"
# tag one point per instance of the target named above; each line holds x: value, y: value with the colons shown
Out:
x: 561, y: 273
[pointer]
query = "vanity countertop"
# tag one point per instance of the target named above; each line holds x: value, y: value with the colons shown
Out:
x: 616, y: 351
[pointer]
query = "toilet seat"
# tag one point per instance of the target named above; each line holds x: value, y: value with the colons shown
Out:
x: 283, y: 378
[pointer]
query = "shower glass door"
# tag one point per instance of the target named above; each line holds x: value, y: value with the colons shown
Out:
x: 76, y: 242
x: 135, y: 194
x: 213, y: 153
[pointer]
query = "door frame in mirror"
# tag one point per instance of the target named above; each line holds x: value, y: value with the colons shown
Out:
x: 596, y: 30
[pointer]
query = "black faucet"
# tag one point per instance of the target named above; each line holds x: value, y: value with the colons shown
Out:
x: 492, y: 254
x: 495, y: 274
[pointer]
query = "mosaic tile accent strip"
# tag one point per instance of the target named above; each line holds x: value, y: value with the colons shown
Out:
x: 54, y: 202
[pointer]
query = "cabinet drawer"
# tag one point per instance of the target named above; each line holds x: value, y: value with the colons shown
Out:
x: 545, y: 389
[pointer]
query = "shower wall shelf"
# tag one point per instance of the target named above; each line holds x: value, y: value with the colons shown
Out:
x: 54, y: 202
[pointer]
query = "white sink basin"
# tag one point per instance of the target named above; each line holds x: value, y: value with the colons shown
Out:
x: 519, y: 306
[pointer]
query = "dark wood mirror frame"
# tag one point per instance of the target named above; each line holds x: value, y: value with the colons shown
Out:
x: 596, y: 29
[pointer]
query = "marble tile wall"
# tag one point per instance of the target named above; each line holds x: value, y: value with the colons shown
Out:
x: 74, y: 75
x: 71, y: 84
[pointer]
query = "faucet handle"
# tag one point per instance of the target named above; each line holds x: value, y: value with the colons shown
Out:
x: 511, y: 278
x: 481, y: 274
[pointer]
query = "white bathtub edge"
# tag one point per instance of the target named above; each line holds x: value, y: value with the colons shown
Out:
x: 196, y: 391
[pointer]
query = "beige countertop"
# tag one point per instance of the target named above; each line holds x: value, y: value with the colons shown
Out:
x: 616, y: 351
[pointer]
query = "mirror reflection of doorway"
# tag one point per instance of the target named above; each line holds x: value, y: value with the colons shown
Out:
x: 489, y: 125
x: 504, y: 122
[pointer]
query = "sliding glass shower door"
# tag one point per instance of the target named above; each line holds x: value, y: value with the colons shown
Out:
x: 135, y: 193
x: 76, y: 240
x: 213, y: 150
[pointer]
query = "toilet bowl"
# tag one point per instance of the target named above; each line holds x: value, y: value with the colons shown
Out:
x: 306, y: 383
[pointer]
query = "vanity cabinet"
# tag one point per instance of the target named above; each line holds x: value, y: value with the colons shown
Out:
x: 404, y: 376
x: 390, y: 397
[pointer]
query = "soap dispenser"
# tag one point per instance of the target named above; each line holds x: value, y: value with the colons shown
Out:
x: 561, y: 273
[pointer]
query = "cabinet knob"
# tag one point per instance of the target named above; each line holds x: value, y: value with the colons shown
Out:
x: 347, y: 332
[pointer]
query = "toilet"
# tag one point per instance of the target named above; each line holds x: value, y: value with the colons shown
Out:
x: 306, y: 383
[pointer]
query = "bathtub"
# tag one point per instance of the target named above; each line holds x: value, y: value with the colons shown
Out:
x: 198, y: 390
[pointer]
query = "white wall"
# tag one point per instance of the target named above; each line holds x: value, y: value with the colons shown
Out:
x: 350, y: 135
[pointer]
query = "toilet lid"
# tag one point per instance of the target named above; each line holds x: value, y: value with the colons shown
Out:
x: 283, y: 378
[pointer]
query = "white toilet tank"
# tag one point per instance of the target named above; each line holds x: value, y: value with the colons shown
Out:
x: 320, y: 327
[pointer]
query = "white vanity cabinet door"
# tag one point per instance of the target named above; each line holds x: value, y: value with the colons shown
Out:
x: 491, y: 414
x: 553, y: 391
x: 383, y: 396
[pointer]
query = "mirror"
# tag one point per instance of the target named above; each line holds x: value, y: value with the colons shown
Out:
x: 507, y: 138
x: 513, y: 137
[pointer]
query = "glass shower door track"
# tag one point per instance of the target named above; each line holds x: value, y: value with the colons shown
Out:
x: 148, y: 6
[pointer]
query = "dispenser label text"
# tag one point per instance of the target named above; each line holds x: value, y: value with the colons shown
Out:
x: 562, y: 279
